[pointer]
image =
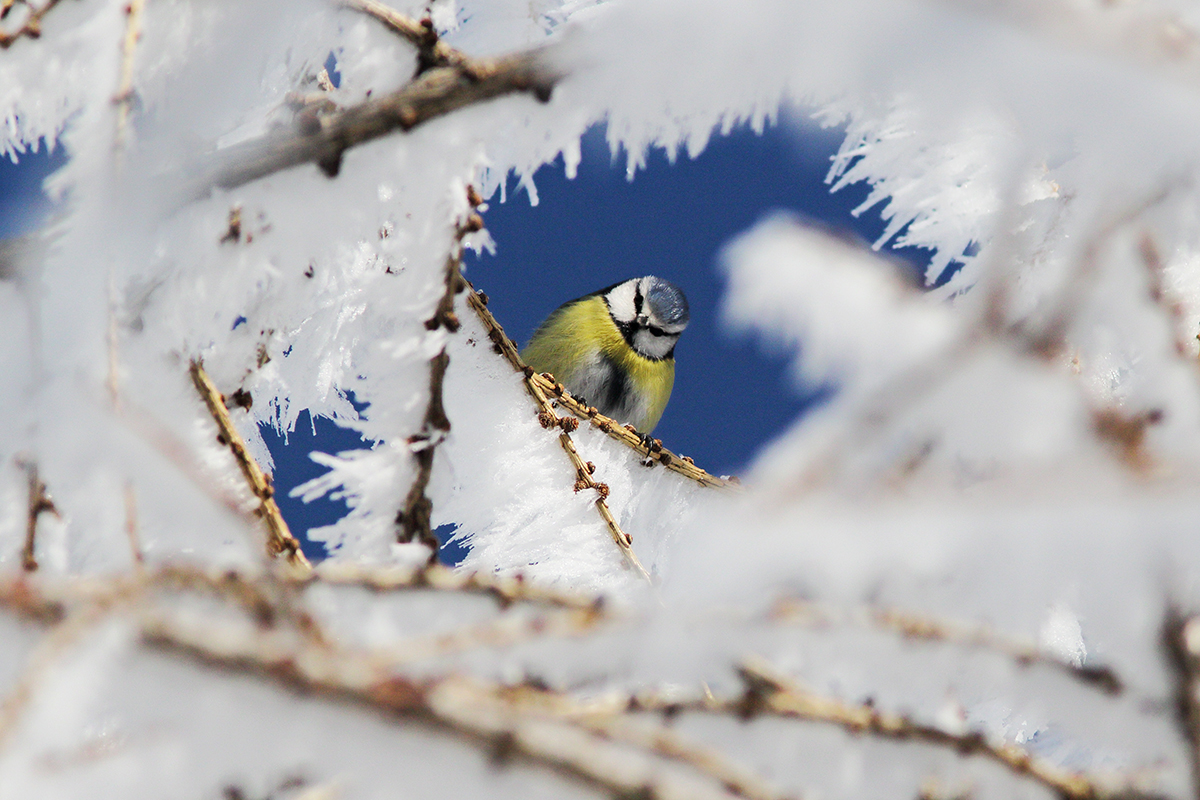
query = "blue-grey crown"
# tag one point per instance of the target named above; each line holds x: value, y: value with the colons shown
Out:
x: 668, y: 302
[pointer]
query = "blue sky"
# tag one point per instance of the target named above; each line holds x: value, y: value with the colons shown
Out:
x: 733, y: 392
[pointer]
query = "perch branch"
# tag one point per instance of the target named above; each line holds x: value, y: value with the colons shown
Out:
x: 279, y: 539
x: 39, y: 502
x: 432, y: 51
x: 548, y: 419
x: 681, y: 465
x: 31, y: 27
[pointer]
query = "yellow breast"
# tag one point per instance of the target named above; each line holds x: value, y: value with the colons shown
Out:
x: 575, y: 336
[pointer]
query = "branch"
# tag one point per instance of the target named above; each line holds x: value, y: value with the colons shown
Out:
x: 506, y: 591
x: 432, y: 51
x: 39, y: 503
x: 322, y: 140
x: 1182, y: 650
x: 31, y: 27
x: 124, y: 97
x: 279, y: 538
x: 414, y: 518
x: 918, y: 628
x: 770, y: 692
x: 548, y: 419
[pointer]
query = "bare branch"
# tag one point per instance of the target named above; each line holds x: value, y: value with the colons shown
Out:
x: 279, y: 538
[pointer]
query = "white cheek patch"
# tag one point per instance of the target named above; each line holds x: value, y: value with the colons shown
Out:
x: 620, y: 302
x: 653, y: 346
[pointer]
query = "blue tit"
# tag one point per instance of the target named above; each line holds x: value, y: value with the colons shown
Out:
x: 615, y: 348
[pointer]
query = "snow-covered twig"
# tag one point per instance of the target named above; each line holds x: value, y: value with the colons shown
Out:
x: 279, y: 538
x: 31, y: 27
x: 1181, y: 646
x: 413, y: 519
x: 925, y: 629
x: 124, y: 96
x: 39, y: 503
x: 439, y: 578
x: 681, y: 465
x: 433, y: 52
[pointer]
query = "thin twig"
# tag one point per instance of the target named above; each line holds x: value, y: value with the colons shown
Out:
x: 769, y: 691
x: 919, y: 628
x: 124, y: 96
x: 1181, y: 646
x: 131, y: 525
x: 39, y: 503
x: 414, y: 519
x: 279, y: 539
x: 32, y: 27
x: 440, y: 578
x: 432, y: 51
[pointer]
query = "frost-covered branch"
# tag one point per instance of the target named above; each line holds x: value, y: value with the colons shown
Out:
x: 30, y: 26
x: 433, y: 93
x: 550, y: 420
x: 39, y: 503
x: 280, y: 540
x: 413, y: 519
x: 919, y: 628
x: 1181, y: 646
x: 124, y: 97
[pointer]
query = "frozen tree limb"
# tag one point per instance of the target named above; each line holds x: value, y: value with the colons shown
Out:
x: 322, y: 140
x: 769, y: 691
x: 413, y: 519
x: 432, y: 51
x: 549, y: 420
x: 279, y: 538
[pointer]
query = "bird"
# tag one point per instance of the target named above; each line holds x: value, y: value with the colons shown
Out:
x: 615, y: 347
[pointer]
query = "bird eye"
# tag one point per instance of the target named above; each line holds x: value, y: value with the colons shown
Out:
x: 656, y: 331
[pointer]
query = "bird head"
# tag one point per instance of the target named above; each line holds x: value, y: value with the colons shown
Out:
x: 650, y: 313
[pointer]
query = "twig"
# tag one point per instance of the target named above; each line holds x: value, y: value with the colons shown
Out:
x: 440, y: 578
x: 279, y: 538
x: 657, y: 453
x: 124, y: 96
x: 32, y: 27
x: 322, y: 140
x: 1181, y: 646
x: 681, y: 465
x: 432, y: 51
x: 768, y: 691
x: 131, y: 525
x: 911, y: 626
x: 39, y: 502
x: 413, y: 519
